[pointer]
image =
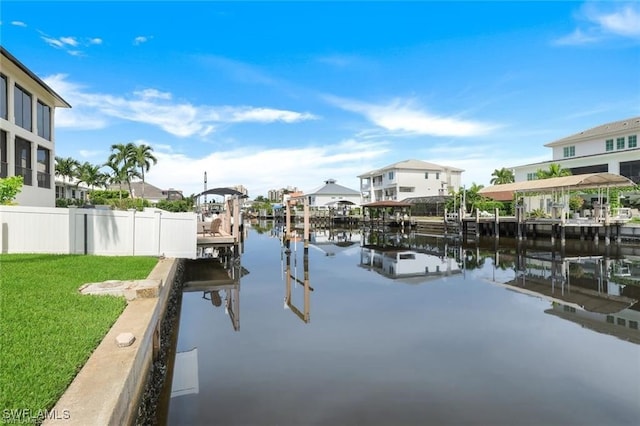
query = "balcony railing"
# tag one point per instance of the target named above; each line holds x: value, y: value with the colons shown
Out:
x: 26, y: 174
x: 44, y: 180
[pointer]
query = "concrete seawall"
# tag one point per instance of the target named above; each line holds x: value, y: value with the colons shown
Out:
x: 109, y: 388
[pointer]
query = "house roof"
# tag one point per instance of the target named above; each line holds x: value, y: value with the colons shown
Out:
x: 630, y: 124
x: 332, y: 188
x: 150, y: 192
x: 411, y: 165
x: 585, y: 181
x: 59, y: 101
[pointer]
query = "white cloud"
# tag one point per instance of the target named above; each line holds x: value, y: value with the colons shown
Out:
x: 70, y: 44
x: 71, y: 41
x: 152, y: 94
x: 151, y: 106
x: 403, y: 116
x: 577, y: 37
x: 18, y: 24
x: 617, y: 21
x: 267, y: 115
x: 140, y: 39
x: 261, y: 169
x: 624, y: 21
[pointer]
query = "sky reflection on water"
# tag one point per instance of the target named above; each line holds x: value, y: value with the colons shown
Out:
x: 454, y: 346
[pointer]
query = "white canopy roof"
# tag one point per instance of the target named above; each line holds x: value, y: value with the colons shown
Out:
x: 585, y: 181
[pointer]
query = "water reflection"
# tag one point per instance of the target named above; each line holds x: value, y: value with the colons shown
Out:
x: 392, y: 256
x: 217, y: 278
x: 499, y: 325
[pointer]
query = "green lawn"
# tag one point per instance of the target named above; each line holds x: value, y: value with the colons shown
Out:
x: 47, y: 329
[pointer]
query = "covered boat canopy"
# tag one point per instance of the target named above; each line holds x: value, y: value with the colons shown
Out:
x: 222, y: 191
x: 584, y: 181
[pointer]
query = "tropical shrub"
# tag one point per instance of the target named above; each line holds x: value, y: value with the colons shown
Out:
x: 10, y: 187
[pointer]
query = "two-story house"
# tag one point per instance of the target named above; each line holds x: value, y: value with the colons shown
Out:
x: 611, y: 147
x: 409, y: 179
x: 27, y: 109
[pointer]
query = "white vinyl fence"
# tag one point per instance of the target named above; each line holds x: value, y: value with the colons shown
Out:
x: 152, y: 232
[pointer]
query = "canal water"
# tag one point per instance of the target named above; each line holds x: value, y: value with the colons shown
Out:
x: 393, y: 329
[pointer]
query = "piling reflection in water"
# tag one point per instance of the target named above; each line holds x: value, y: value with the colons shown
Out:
x: 291, y: 275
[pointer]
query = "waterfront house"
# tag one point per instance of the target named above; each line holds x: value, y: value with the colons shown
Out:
x: 332, y: 195
x: 408, y: 179
x: 71, y: 189
x: 611, y: 147
x: 27, y: 122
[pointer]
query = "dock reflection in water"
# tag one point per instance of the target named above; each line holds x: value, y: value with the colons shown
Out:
x: 414, y: 330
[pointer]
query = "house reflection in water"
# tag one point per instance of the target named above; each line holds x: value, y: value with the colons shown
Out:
x: 332, y: 241
x: 406, y: 260
x: 595, y: 291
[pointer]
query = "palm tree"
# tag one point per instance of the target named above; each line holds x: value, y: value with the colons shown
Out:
x: 472, y: 196
x: 142, y: 157
x: 90, y: 174
x: 122, y: 158
x: 117, y: 175
x: 502, y: 176
x: 555, y: 170
x: 67, y: 168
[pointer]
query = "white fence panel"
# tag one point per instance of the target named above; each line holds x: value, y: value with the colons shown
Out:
x: 178, y: 235
x: 94, y: 231
x: 147, y: 229
x: 34, y: 230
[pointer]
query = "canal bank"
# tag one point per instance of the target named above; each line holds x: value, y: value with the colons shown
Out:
x: 112, y: 385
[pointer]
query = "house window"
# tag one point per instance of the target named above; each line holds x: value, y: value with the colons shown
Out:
x: 633, y: 141
x: 44, y: 170
x: 23, y: 160
x: 3, y: 96
x: 633, y: 324
x: 532, y: 176
x: 426, y: 175
x: 3, y: 154
x: 44, y: 121
x: 406, y: 189
x: 569, y: 151
x: 437, y: 175
x: 621, y: 321
x: 390, y: 175
x: 620, y: 143
x: 609, y: 144
x: 22, y: 107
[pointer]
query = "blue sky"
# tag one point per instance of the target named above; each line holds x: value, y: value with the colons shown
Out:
x: 272, y: 94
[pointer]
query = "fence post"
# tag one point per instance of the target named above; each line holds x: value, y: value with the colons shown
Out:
x: 132, y: 222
